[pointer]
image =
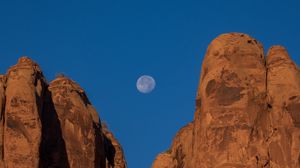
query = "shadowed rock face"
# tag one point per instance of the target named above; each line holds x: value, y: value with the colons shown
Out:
x: 43, y: 126
x: 247, y: 110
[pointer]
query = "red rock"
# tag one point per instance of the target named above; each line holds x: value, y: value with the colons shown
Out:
x: 45, y: 126
x: 246, y: 110
x: 2, y: 109
x: 22, y: 126
x: 113, y: 150
x: 284, y: 108
x: 179, y: 153
x: 77, y: 125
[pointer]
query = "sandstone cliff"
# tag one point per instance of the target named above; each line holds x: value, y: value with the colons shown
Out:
x: 51, y: 125
x: 247, y: 110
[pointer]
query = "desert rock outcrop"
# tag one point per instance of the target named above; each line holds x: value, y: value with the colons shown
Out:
x: 247, y: 110
x: 51, y: 125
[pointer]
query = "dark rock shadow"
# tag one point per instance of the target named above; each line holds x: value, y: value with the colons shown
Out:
x: 100, y: 152
x: 53, y: 152
x: 110, y: 151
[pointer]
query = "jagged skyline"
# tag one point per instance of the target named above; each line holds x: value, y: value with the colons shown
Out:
x: 106, y: 45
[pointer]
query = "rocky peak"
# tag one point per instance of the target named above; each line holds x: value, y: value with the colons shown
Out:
x: 277, y: 52
x: 51, y: 125
x: 247, y: 110
x: 64, y: 82
x: 25, y: 63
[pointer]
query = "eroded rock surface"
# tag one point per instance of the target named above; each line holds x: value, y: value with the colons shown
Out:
x: 247, y: 110
x: 113, y: 150
x: 43, y: 126
x: 22, y: 125
x: 283, y: 89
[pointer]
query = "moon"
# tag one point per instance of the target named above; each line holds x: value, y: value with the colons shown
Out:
x: 145, y: 84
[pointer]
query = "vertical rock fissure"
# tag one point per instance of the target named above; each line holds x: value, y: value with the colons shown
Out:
x: 2, y: 119
x: 99, y: 151
x: 53, y: 148
x: 2, y: 127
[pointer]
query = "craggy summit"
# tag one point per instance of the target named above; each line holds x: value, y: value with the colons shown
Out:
x: 51, y: 125
x: 247, y: 110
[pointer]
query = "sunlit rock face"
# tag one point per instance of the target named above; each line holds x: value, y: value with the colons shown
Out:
x: 247, y: 110
x: 24, y: 89
x: 55, y: 125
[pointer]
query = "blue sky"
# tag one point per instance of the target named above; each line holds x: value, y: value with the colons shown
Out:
x: 105, y: 45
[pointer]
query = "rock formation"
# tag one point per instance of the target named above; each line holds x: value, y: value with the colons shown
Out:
x: 55, y: 125
x: 247, y: 110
